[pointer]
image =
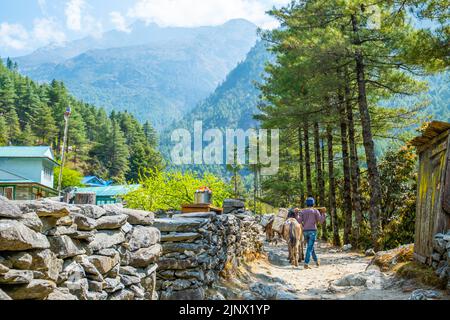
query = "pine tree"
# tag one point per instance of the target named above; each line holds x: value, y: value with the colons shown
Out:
x: 27, y: 137
x: 118, y: 153
x: 13, y: 126
x: 44, y: 126
x: 3, y: 131
x: 7, y: 94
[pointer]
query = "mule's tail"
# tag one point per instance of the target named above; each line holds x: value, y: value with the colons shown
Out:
x: 292, y: 238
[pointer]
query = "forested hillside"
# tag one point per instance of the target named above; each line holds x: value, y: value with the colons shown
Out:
x: 157, y: 74
x: 115, y: 146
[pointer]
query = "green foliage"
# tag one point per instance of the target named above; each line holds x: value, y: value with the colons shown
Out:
x: 70, y: 178
x: 170, y: 190
x: 398, y: 173
x: 116, y: 147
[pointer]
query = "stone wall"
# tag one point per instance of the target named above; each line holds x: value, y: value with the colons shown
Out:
x: 441, y: 256
x: 200, y: 247
x: 54, y: 251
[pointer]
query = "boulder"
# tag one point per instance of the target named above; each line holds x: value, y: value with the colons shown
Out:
x: 439, y: 245
x: 142, y: 237
x: 111, y: 222
x: 113, y: 284
x: 47, y: 262
x: 9, y: 210
x: 180, y: 237
x: 32, y: 221
x: 35, y: 290
x: 179, y: 224
x: 65, y: 221
x: 135, y: 217
x: 15, y: 236
x: 20, y: 260
x: 84, y: 223
x: 45, y: 208
x: 138, y: 290
x: 190, y: 294
x: 128, y: 280
x: 104, y: 264
x: 264, y: 291
x: 145, y: 256
x: 95, y: 286
x: 191, y: 274
x: 97, y: 296
x: 16, y: 277
x: 61, y: 294
x: 63, y: 231
x: 87, y: 236
x: 106, y: 239
x: 422, y: 294
x: 65, y: 247
x: 122, y: 295
x: 92, y: 211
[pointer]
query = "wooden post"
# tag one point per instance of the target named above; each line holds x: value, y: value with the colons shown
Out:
x: 86, y: 198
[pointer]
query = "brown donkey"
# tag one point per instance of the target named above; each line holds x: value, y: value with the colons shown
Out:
x: 293, y: 234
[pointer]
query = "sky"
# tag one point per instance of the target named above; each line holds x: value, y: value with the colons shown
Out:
x: 26, y: 25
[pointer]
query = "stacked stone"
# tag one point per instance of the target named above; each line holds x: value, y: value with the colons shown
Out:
x: 441, y: 256
x: 197, y: 247
x: 55, y: 251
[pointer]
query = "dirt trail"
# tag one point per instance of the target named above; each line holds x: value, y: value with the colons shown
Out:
x: 342, y: 275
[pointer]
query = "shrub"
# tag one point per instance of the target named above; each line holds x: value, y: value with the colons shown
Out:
x: 170, y: 190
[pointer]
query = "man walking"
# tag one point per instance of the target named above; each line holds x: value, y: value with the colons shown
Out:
x: 309, y: 218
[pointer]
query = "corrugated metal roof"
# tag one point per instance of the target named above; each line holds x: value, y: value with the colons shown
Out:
x: 109, y: 191
x: 432, y: 130
x: 27, y: 152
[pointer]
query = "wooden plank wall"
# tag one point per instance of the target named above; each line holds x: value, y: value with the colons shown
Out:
x: 430, y: 217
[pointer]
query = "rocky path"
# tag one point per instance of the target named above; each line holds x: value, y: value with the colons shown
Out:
x: 342, y: 275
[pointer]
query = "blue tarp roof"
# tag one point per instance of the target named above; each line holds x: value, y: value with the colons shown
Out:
x: 110, y: 191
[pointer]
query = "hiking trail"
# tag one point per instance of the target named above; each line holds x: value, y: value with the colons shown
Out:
x: 343, y: 275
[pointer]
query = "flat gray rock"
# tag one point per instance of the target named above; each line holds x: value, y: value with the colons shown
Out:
x: 9, y: 210
x: 179, y: 224
x: 142, y: 237
x: 111, y: 222
x: 106, y: 239
x: 178, y: 237
x: 15, y: 236
x: 145, y: 256
x: 35, y: 290
x: 65, y: 247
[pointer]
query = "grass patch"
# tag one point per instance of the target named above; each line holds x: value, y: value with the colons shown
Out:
x: 421, y: 273
x: 392, y: 259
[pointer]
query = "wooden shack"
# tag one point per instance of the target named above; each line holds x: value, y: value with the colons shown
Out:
x: 433, y: 197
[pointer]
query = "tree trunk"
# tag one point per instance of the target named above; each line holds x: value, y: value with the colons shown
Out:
x: 309, y: 188
x: 332, y: 188
x: 354, y: 169
x: 369, y: 145
x: 319, y: 170
x: 302, y: 167
x: 346, y: 191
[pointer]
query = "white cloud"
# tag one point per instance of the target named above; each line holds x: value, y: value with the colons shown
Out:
x: 191, y: 13
x: 13, y: 36
x: 73, y: 14
x: 119, y: 21
x: 47, y: 30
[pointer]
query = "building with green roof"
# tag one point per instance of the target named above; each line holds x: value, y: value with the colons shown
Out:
x: 26, y: 173
x: 108, y: 194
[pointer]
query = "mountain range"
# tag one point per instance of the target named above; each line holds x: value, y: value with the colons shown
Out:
x: 159, y: 74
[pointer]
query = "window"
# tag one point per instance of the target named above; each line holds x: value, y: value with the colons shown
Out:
x: 48, y: 173
x: 9, y: 193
